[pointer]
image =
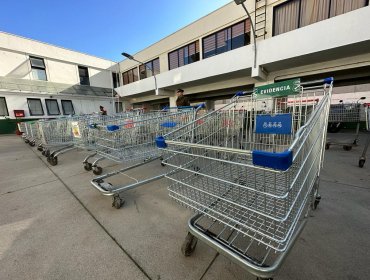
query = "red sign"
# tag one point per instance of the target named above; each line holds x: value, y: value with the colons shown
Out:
x: 19, y: 113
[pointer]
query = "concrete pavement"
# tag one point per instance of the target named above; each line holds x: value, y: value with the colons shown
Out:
x: 54, y: 225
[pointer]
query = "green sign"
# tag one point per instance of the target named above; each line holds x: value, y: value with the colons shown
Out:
x: 289, y: 87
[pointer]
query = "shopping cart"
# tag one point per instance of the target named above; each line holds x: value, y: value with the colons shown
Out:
x: 341, y: 113
x: 56, y: 136
x: 362, y: 159
x: 251, y: 171
x: 30, y: 132
x: 133, y: 142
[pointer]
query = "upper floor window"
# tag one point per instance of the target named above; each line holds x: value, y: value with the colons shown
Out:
x: 3, y: 107
x: 38, y: 68
x: 67, y: 107
x: 298, y: 13
x: 83, y: 72
x: 35, y: 107
x: 130, y: 76
x: 115, y: 78
x: 184, y: 55
x: 235, y: 36
x: 147, y: 69
x: 52, y: 107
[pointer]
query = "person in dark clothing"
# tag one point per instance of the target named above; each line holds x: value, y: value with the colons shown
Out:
x: 181, y: 99
x: 102, y: 111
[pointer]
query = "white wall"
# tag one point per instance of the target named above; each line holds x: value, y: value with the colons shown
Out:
x: 82, y: 105
x: 61, y: 64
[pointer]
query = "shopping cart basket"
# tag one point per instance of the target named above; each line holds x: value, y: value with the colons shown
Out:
x: 30, y: 132
x: 362, y: 159
x: 344, y: 113
x: 133, y: 142
x: 251, y: 170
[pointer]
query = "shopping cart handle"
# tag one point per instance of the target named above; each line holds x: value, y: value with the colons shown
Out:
x: 280, y: 161
x: 161, y: 142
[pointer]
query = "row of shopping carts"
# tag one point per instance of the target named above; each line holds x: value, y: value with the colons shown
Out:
x: 249, y: 169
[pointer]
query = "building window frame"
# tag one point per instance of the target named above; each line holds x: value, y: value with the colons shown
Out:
x: 185, y: 58
x: 63, y: 101
x: 143, y: 68
x: 115, y: 80
x: 118, y: 105
x: 47, y: 107
x: 29, y: 107
x: 300, y: 15
x: 229, y: 31
x: 38, y: 67
x: 129, y: 76
x: 5, y: 106
x: 84, y: 80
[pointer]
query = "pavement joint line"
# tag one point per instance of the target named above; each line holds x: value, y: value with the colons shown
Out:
x: 95, y: 219
x: 32, y: 186
x: 345, y: 184
x: 209, y: 266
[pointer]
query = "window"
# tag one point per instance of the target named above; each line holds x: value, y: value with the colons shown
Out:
x: 83, y: 72
x: 67, y: 107
x: 3, y: 107
x: 35, y: 107
x: 38, y: 68
x: 184, y: 55
x: 119, y: 107
x: 52, y: 107
x: 147, y: 69
x: 298, y: 13
x: 230, y: 38
x: 130, y: 76
x: 116, y: 82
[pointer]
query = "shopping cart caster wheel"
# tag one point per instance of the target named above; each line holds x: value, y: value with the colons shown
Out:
x: 327, y: 146
x: 189, y: 245
x: 347, y: 148
x: 355, y: 142
x: 53, y: 160
x: 40, y: 149
x: 87, y: 166
x: 163, y: 164
x: 361, y: 163
x: 26, y: 141
x: 316, y: 202
x: 97, y: 170
x: 32, y: 144
x: 47, y: 153
x: 117, y: 202
x: 259, y: 278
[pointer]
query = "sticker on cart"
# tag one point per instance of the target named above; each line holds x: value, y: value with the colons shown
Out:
x: 129, y: 124
x: 75, y: 130
x: 274, y: 124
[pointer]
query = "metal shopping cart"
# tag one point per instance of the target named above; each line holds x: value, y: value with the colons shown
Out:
x: 362, y: 159
x: 251, y: 171
x: 133, y: 142
x: 344, y: 113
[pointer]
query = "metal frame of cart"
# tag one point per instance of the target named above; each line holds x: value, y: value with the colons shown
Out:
x: 251, y: 171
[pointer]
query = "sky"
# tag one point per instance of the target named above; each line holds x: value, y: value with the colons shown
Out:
x: 104, y: 28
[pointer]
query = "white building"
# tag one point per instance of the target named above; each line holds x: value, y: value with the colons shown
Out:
x: 40, y: 80
x: 213, y: 57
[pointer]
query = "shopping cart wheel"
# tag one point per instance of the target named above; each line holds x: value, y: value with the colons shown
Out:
x: 361, y: 163
x: 355, y: 142
x: 316, y: 202
x: 189, y: 245
x: 53, y: 160
x: 32, y: 144
x: 46, y: 153
x: 97, y: 170
x: 87, y: 166
x: 327, y: 146
x: 259, y: 278
x: 117, y: 202
x: 40, y: 148
x: 347, y: 147
x: 26, y: 141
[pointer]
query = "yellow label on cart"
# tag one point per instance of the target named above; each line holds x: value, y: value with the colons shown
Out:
x: 76, y: 130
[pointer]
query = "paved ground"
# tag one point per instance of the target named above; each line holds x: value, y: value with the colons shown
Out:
x: 54, y: 225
